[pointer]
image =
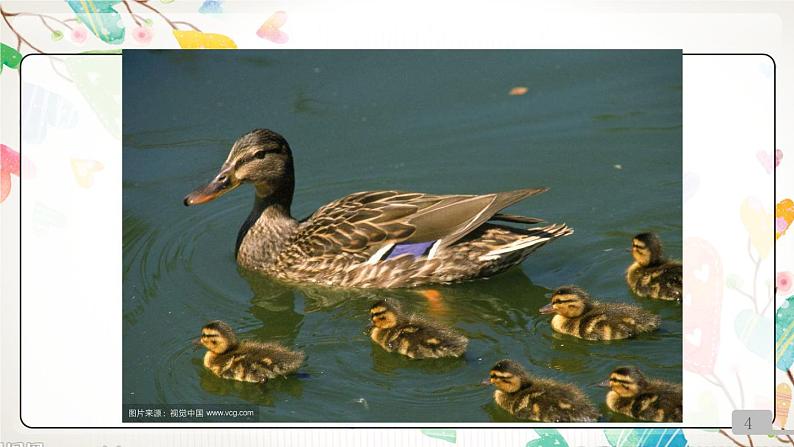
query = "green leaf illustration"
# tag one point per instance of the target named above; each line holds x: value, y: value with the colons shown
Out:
x: 651, y: 437
x: 445, y: 435
x: 10, y: 57
x: 548, y: 438
x: 98, y: 80
x: 100, y: 18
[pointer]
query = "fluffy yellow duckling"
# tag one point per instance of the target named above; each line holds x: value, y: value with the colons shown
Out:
x: 633, y: 395
x: 246, y: 361
x: 577, y: 315
x: 412, y: 335
x: 651, y: 275
x: 544, y: 400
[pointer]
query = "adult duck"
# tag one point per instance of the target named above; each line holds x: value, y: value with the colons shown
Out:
x: 372, y: 239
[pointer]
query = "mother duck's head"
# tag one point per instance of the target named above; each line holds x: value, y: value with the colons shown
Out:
x: 261, y: 157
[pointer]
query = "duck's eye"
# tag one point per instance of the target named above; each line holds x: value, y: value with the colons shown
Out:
x: 260, y: 154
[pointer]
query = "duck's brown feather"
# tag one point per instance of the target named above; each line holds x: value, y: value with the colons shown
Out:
x: 662, y: 282
x: 547, y: 400
x: 254, y: 362
x: 345, y: 243
x: 607, y: 321
x: 658, y: 402
x: 417, y: 337
x: 364, y: 221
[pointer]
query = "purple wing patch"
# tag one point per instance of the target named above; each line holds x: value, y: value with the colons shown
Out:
x: 416, y: 249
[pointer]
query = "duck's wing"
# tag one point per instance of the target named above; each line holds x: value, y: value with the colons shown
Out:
x: 368, y: 221
x: 432, y: 334
x: 669, y: 277
x: 275, y: 357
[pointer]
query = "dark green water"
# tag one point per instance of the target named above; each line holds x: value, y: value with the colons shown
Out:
x: 602, y: 129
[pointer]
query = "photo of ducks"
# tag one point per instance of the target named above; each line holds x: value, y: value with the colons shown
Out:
x: 402, y: 236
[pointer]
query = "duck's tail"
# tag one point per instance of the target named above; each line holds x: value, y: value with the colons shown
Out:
x: 533, y: 239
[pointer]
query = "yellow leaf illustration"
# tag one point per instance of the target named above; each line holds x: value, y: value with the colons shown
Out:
x: 784, y: 212
x: 194, y: 40
x: 758, y: 223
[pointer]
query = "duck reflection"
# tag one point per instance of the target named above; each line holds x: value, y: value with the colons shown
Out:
x: 265, y: 394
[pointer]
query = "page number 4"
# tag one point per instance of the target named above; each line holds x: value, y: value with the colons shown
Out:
x: 748, y: 424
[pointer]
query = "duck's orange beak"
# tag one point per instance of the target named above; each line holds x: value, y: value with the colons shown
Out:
x: 224, y: 182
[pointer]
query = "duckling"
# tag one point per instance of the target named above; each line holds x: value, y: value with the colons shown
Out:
x: 412, y: 336
x: 633, y: 395
x: 577, y: 315
x: 544, y: 400
x: 246, y: 361
x: 651, y: 275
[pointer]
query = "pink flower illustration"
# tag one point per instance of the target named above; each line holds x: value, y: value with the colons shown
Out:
x: 142, y: 34
x: 783, y: 282
x: 778, y: 157
x: 79, y: 34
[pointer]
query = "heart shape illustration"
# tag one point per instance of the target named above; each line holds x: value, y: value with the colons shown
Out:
x: 271, y: 29
x: 9, y: 164
x: 84, y: 171
x: 695, y: 337
x: 702, y: 274
x: 766, y: 160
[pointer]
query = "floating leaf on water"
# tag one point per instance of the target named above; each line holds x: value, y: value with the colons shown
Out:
x: 518, y: 91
